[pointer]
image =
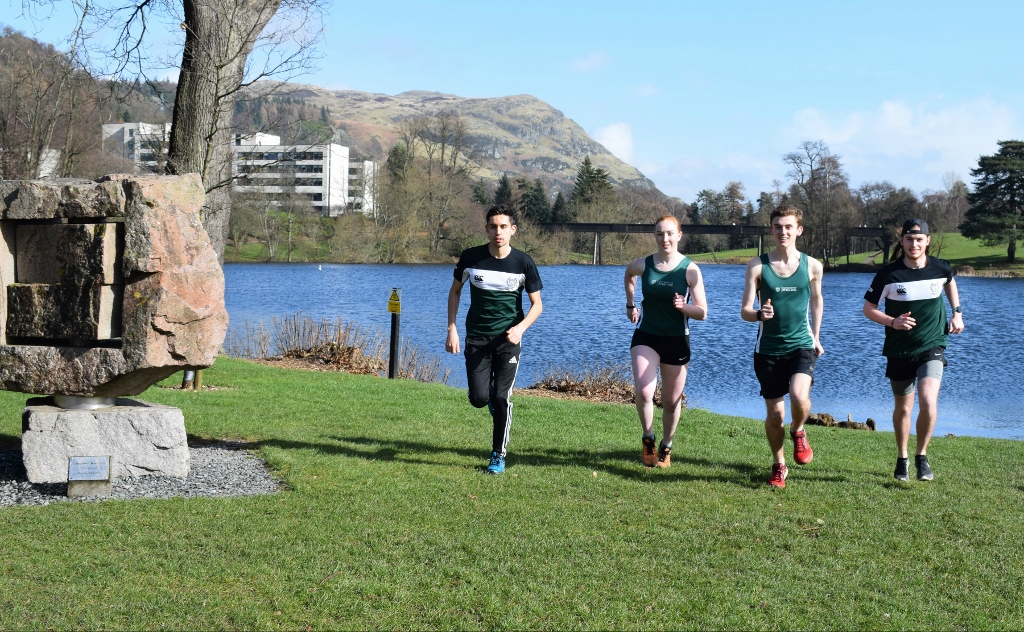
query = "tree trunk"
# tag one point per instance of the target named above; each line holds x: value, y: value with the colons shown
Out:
x: 1011, y: 251
x: 219, y: 36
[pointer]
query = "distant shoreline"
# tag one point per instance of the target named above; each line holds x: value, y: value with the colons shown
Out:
x: 965, y: 271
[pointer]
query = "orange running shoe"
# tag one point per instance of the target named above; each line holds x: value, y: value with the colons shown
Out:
x: 802, y: 452
x: 779, y: 474
x: 647, y: 455
x: 664, y: 456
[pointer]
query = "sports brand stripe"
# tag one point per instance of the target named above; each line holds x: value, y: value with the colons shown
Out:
x: 922, y: 290
x: 508, y: 416
x: 494, y: 281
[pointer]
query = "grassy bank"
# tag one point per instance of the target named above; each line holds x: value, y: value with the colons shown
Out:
x: 389, y: 523
x: 957, y: 249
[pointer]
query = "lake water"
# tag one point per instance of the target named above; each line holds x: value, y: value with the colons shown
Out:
x: 584, y: 323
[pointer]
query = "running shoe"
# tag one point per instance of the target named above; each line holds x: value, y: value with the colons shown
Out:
x: 779, y: 474
x: 901, y: 470
x: 924, y: 473
x: 497, y: 464
x: 647, y: 454
x: 802, y: 452
x: 664, y: 456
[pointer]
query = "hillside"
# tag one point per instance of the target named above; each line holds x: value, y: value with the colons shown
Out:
x: 514, y: 135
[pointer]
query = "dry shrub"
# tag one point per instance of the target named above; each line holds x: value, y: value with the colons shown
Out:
x: 337, y: 345
x: 604, y: 382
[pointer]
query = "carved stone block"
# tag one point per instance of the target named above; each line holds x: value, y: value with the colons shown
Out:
x: 63, y: 312
x: 108, y: 286
x: 64, y: 253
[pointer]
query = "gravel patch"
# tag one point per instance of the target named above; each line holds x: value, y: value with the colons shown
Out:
x: 217, y: 470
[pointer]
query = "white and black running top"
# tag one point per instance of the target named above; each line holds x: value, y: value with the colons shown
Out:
x: 920, y: 293
x: 496, y: 289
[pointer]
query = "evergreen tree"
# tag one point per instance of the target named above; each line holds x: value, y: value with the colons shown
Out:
x: 534, y: 201
x: 591, y: 183
x: 997, y: 203
x: 481, y: 195
x: 398, y: 161
x: 560, y: 209
x: 504, y: 193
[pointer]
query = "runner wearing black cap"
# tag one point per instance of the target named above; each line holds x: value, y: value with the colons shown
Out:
x: 915, y: 336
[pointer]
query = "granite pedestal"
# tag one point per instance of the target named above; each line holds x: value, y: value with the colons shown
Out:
x: 141, y: 439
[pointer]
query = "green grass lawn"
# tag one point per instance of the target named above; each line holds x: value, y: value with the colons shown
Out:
x: 961, y: 251
x: 256, y: 252
x: 389, y: 522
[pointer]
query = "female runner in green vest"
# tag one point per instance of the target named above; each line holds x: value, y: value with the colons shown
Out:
x: 673, y: 292
x: 787, y: 285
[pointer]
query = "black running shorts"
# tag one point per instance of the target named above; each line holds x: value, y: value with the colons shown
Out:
x: 775, y: 372
x: 674, y: 350
x: 901, y: 369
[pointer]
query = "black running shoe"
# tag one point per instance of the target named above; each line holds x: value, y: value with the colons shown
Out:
x: 901, y: 470
x: 924, y: 473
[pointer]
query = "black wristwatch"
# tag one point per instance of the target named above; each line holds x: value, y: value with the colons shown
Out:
x: 958, y: 310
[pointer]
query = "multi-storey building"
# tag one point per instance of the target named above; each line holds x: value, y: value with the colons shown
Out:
x: 321, y: 173
x: 361, y: 174
x: 264, y: 166
x: 144, y: 144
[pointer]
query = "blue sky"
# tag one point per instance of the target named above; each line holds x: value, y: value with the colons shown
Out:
x: 698, y: 94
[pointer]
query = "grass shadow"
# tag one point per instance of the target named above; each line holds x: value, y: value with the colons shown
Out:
x: 621, y: 463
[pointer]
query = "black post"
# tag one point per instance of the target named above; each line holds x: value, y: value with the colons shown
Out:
x: 396, y: 324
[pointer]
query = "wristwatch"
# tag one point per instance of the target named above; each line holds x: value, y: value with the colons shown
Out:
x: 958, y: 310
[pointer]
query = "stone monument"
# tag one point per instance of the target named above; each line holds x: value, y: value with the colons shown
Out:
x: 106, y: 288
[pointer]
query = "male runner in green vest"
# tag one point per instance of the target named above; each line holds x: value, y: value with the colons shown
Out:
x: 787, y: 286
x: 498, y: 274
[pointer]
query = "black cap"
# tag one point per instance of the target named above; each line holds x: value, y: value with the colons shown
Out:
x: 908, y: 227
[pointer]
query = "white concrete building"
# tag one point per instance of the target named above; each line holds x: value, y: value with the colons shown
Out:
x: 361, y: 174
x: 322, y: 173
x: 319, y: 172
x: 144, y: 144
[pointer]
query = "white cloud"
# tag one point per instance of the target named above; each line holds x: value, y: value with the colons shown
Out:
x: 911, y: 145
x: 687, y: 176
x: 618, y: 139
x: 593, y: 61
x: 646, y: 90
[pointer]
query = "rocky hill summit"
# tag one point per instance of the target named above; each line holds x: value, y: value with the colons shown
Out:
x: 515, y: 135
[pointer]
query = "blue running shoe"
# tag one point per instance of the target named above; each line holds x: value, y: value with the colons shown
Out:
x: 490, y: 407
x: 497, y: 464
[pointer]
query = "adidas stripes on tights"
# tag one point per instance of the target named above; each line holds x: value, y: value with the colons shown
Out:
x: 491, y: 367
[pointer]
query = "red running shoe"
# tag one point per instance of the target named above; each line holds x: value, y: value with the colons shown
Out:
x: 802, y: 452
x: 779, y: 474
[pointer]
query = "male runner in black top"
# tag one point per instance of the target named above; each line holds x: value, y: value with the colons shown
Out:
x: 915, y: 336
x: 498, y: 274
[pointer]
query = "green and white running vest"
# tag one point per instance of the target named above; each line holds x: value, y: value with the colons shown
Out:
x: 788, y: 330
x: 660, y: 317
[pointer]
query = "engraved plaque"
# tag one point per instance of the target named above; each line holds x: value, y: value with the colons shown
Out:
x: 89, y: 468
